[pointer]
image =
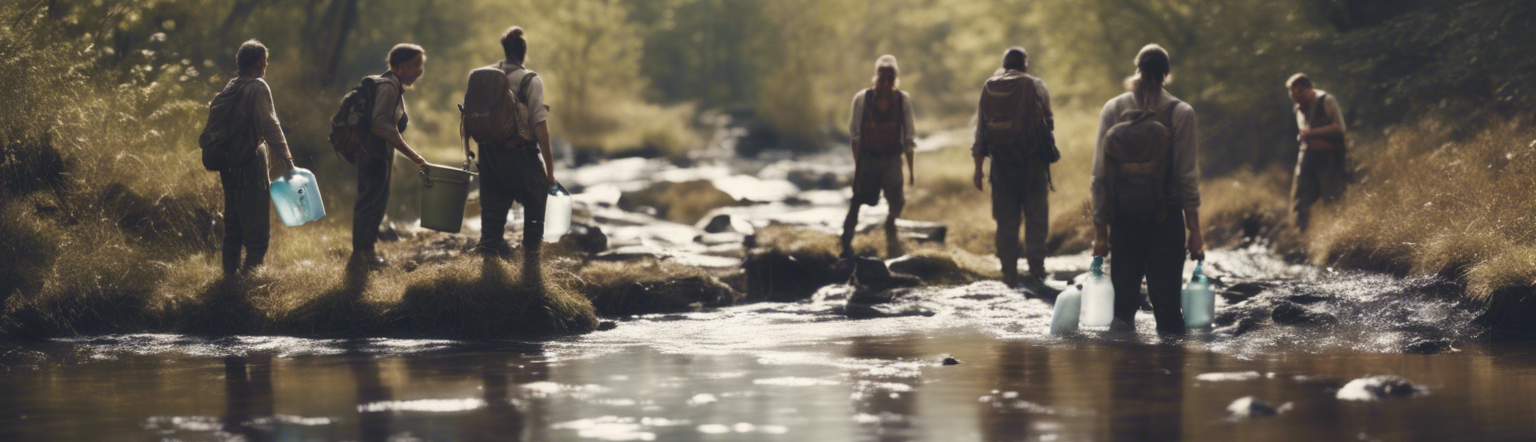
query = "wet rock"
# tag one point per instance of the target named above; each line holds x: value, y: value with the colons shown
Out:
x: 816, y: 179
x: 934, y: 269
x: 587, y: 238
x: 1249, y: 407
x: 1426, y: 346
x: 1244, y: 290
x: 1291, y: 314
x: 684, y: 202
x: 719, y: 224
x: 715, y: 239
x: 607, y: 325
x: 1371, y: 388
x: 869, y: 304
x: 950, y: 360
x: 1306, y: 298
x: 776, y: 276
x: 686, y: 294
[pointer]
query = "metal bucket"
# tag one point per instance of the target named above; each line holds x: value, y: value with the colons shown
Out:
x: 443, y: 194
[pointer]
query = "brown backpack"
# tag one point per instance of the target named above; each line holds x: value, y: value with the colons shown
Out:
x: 490, y: 112
x: 1139, y: 150
x: 1011, y: 117
x: 881, y: 132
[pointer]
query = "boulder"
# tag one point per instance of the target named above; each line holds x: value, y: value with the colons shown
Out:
x: 773, y: 275
x: 1248, y: 407
x: 934, y: 269
x: 1288, y: 313
x: 1372, y: 388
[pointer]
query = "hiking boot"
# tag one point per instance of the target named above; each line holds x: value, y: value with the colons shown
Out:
x: 368, y: 262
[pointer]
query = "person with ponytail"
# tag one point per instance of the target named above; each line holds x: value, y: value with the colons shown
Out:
x: 521, y: 169
x: 1143, y: 227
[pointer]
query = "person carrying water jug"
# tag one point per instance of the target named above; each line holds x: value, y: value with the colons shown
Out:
x: 1322, y: 165
x: 880, y: 133
x: 1014, y: 127
x: 1146, y: 192
x: 505, y: 114
x: 375, y: 162
x: 243, y: 113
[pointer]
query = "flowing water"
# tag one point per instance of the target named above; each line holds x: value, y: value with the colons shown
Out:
x: 801, y: 371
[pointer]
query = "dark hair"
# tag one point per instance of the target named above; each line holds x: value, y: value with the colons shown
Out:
x: 1015, y: 58
x: 403, y: 53
x: 249, y: 55
x: 1153, y: 63
x: 513, y: 45
x: 1299, y: 79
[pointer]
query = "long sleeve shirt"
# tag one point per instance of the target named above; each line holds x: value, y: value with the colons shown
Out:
x: 388, y: 110
x: 979, y: 146
x: 1183, y: 190
x: 908, y: 134
x: 267, y: 125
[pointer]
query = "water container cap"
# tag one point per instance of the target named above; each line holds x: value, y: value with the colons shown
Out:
x: 1097, y: 268
x: 558, y: 190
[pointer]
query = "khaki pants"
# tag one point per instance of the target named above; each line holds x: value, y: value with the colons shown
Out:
x: 1021, y: 189
x: 1320, y: 176
x: 876, y: 174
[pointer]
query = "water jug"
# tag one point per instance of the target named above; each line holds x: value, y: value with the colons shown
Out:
x: 557, y: 213
x: 1098, y: 298
x: 444, y: 192
x: 1199, y: 301
x: 296, y: 196
x: 1068, y: 304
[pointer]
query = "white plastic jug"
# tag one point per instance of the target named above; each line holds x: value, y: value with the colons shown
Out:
x: 1199, y: 301
x: 557, y: 213
x: 296, y: 196
x: 1098, y: 298
x: 1068, y: 304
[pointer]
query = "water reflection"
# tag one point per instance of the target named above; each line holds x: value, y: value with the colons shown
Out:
x: 1146, y: 387
x: 884, y: 401
x: 1020, y: 393
x: 372, y: 423
x: 248, y: 396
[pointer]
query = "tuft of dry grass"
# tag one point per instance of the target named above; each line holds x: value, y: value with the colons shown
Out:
x: 650, y: 286
x: 1437, y: 204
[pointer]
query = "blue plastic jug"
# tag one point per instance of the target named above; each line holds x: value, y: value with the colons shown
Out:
x: 557, y: 213
x: 1068, y: 305
x: 296, y: 195
x: 1098, y: 298
x: 1199, y: 301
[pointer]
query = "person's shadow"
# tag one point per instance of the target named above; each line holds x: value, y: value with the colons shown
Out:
x: 372, y: 424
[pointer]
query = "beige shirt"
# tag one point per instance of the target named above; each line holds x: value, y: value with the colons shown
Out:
x: 1184, y: 191
x: 538, y: 112
x: 267, y: 125
x: 908, y: 134
x: 979, y: 147
x: 388, y: 108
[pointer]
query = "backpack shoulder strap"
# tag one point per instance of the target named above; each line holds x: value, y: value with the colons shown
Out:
x: 522, y: 86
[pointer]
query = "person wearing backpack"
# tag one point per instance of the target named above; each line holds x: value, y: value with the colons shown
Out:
x: 504, y: 112
x: 1013, y: 127
x: 242, y: 132
x: 375, y: 159
x: 880, y: 135
x: 1146, y: 192
x: 1322, y: 165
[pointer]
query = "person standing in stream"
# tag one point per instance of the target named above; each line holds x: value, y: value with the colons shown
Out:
x: 881, y: 134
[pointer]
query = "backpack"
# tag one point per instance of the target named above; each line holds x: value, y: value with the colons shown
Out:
x: 490, y: 113
x: 881, y: 132
x: 1010, y: 116
x: 1139, y: 150
x: 353, y: 122
x: 228, y: 139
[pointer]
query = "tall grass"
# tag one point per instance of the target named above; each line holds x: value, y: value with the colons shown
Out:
x: 1434, y: 203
